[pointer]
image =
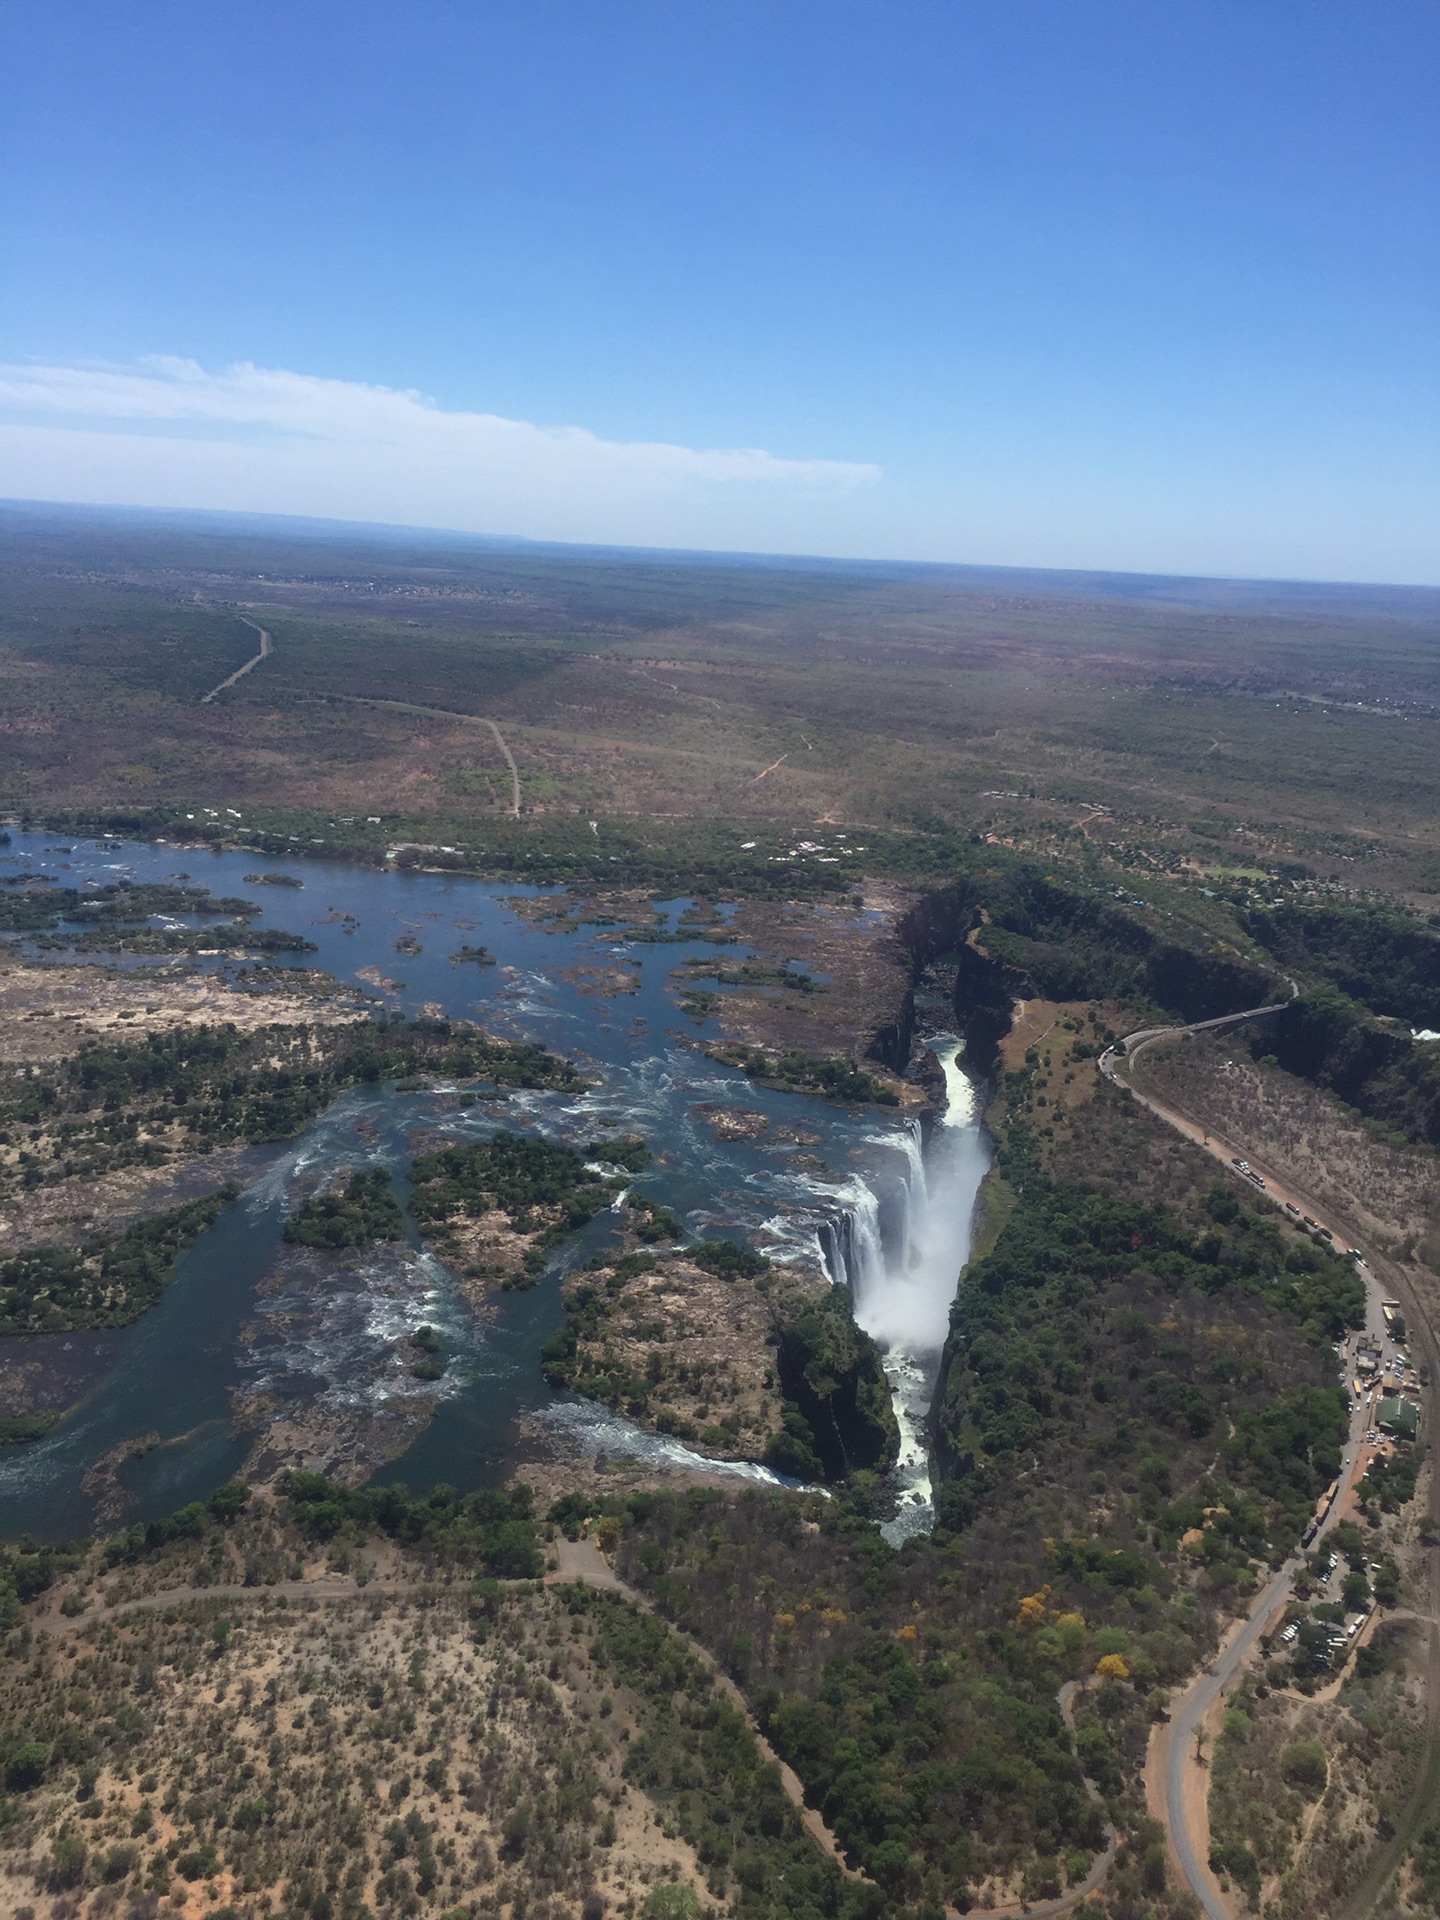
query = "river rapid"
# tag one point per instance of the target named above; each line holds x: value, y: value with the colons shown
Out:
x: 890, y: 1217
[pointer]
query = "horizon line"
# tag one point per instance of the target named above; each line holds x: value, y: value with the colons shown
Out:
x: 692, y: 555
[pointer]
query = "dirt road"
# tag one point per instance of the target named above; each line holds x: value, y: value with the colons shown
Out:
x: 432, y: 713
x: 240, y: 672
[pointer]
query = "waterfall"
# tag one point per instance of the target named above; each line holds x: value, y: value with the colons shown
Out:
x: 851, y: 1241
x: 913, y: 1191
x: 903, y: 1283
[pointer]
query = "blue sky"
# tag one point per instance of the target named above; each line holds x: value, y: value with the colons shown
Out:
x: 1040, y: 282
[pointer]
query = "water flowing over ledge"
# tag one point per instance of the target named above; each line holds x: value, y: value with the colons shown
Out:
x: 901, y: 1253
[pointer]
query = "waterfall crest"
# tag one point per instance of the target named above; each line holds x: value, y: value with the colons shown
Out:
x: 902, y: 1269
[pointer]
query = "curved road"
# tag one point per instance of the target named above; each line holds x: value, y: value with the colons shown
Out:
x: 1179, y: 1744
x: 437, y: 713
x: 253, y: 661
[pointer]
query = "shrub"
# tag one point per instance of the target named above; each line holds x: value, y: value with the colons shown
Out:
x: 671, y: 1901
x: 1304, y: 1765
x: 67, y: 1862
x: 731, y: 1259
x: 27, y: 1766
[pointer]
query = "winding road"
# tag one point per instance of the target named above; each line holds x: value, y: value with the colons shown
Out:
x: 1175, y: 1781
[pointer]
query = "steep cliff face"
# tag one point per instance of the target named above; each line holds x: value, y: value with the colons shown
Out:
x: 939, y: 930
x: 839, y: 1399
x: 1016, y: 933
x: 1390, y: 964
x: 1069, y: 944
x: 1376, y: 1068
x: 986, y: 990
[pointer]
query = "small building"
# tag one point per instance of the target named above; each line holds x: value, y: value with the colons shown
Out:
x: 1399, y: 1416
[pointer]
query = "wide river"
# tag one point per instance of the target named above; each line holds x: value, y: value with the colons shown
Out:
x: 891, y: 1217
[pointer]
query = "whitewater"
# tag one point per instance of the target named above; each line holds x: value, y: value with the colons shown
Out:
x: 903, y: 1280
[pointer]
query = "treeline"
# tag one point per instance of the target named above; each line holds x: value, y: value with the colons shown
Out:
x: 670, y: 857
x: 192, y: 1522
x: 920, y: 1716
x: 26, y: 908
x: 694, y: 1755
x: 217, y: 1086
x: 362, y: 1211
x: 1071, y: 943
x: 114, y: 918
x: 544, y: 1189
x: 1389, y: 964
x: 492, y: 1532
x: 795, y: 1071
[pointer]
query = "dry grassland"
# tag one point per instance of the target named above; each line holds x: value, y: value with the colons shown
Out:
x: 384, y: 1752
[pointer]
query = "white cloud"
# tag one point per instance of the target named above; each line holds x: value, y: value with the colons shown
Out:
x: 167, y: 433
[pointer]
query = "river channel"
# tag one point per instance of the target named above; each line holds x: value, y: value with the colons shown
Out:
x: 890, y: 1218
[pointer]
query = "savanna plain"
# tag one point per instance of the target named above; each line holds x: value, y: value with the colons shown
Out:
x: 421, y: 956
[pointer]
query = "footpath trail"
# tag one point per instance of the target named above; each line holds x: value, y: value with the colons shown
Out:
x: 583, y: 1560
x: 1072, y: 1896
x: 1176, y: 1779
x: 59, y: 1623
x: 253, y: 661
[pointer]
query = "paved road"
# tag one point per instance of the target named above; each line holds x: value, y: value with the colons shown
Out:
x: 240, y: 672
x: 1183, y: 1800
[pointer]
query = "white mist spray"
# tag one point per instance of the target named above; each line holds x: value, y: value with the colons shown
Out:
x: 902, y: 1297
